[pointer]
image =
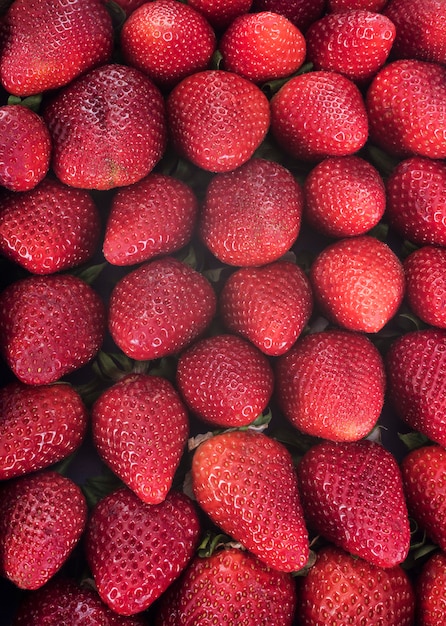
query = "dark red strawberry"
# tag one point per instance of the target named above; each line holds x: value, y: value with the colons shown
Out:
x: 51, y: 42
x: 319, y: 114
x: 128, y: 6
x: 230, y: 587
x: 301, y: 13
x: 269, y: 305
x: 345, y: 5
x: 217, y: 119
x: 38, y: 426
x: 331, y: 384
x: 140, y: 428
x: 251, y: 216
x: 136, y: 550
x: 49, y: 326
x: 425, y: 270
x: 42, y: 517
x: 220, y: 13
x: 107, y: 127
x: 352, y: 494
x: 431, y: 591
x: 246, y: 482
x: 159, y: 308
x: 50, y: 228
x: 153, y: 217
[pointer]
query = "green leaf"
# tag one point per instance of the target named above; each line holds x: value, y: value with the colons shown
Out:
x: 30, y: 102
x: 414, y: 440
x: 89, y: 274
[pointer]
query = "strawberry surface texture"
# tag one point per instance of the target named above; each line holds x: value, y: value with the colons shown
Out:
x: 222, y: 312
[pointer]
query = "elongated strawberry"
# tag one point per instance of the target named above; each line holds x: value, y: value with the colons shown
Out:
x: 431, y: 591
x: 425, y: 271
x: 159, y: 308
x: 38, y: 426
x: 245, y: 481
x: 301, y: 13
x: 352, y: 494
x: 220, y: 13
x: 136, y: 550
x: 42, y: 517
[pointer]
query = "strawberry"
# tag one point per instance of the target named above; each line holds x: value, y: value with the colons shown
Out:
x: 25, y: 148
x: 331, y: 384
x: 301, y: 13
x: 251, y: 216
x: 136, y: 550
x: 425, y: 270
x: 75, y: 37
x: 424, y: 478
x: 42, y: 517
x: 352, y: 494
x: 341, y: 589
x: 38, y: 426
x: 344, y: 196
x: 230, y: 587
x: 155, y: 216
x: 345, y: 5
x: 128, y: 6
x: 416, y: 365
x: 355, y: 43
x: 431, y: 591
x: 217, y: 119
x: 420, y: 27
x: 416, y: 200
x: 358, y: 282
x: 269, y: 305
x: 140, y: 428
x: 159, y: 308
x: 49, y: 228
x: 319, y: 114
x: 220, y: 13
x: 246, y: 483
x: 406, y: 104
x: 167, y: 40
x: 50, y: 326
x: 262, y: 46
x: 107, y: 128
x: 225, y: 380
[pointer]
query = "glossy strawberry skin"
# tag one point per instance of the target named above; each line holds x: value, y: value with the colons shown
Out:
x: 352, y: 494
x: 77, y: 36
x: 38, y: 426
x: 49, y: 228
x: 140, y: 427
x: 159, y: 308
x: 220, y: 13
x: 107, y: 128
x: 136, y: 550
x: 246, y: 483
x: 42, y: 517
x: 301, y: 13
x: 431, y: 591
x: 425, y: 271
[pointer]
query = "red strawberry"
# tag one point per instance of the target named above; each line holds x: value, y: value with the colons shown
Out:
x: 136, y: 550
x: 107, y: 128
x: 319, y: 114
x: 220, y: 13
x: 42, y: 517
x: 25, y: 148
x: 424, y: 479
x: 420, y: 27
x: 51, y: 42
x: 358, y: 282
x: 344, y: 196
x: 167, y: 40
x: 217, y: 119
x: 301, y: 13
x: 431, y: 591
x: 416, y: 366
x: 251, y: 216
x: 230, y: 587
x: 269, y: 305
x: 355, y: 43
x: 416, y: 200
x: 140, y: 428
x: 225, y: 380
x: 346, y: 5
x: 406, y: 104
x: 155, y: 216
x: 159, y: 308
x: 262, y: 46
x: 38, y: 426
x: 331, y: 384
x: 352, y: 494
x: 425, y: 270
x: 50, y: 228
x: 342, y: 589
x: 49, y: 326
x: 246, y: 483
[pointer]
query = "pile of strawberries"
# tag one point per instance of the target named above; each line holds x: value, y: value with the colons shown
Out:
x: 223, y: 312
